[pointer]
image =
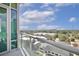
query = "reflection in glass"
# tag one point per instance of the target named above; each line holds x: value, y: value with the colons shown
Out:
x: 8, y: 4
x: 13, y: 28
x: 14, y: 5
x: 3, y: 27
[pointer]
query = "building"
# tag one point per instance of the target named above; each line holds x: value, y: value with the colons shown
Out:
x: 8, y: 27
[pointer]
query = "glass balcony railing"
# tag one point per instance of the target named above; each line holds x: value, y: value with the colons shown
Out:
x: 40, y: 46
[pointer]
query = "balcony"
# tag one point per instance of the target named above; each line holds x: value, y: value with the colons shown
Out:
x: 13, y: 52
x: 40, y: 46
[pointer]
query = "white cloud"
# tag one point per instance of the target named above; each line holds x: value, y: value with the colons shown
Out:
x: 47, y: 27
x: 35, y: 14
x: 44, y: 26
x: 38, y: 16
x: 24, y: 27
x: 61, y: 28
x: 45, y: 5
x: 62, y: 4
x: 23, y: 21
x: 72, y: 19
x: 25, y: 4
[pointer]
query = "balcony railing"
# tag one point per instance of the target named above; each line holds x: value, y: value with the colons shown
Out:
x: 40, y: 46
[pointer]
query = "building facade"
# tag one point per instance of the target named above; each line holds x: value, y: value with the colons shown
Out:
x: 8, y: 27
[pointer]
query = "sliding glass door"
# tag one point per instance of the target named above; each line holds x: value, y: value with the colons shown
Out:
x: 8, y: 27
x: 3, y: 29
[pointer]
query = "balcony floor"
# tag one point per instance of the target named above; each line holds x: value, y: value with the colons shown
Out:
x: 14, y: 52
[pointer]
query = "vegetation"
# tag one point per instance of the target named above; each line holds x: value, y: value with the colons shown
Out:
x: 67, y: 36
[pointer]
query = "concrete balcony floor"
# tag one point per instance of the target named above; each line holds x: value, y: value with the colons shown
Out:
x: 14, y: 52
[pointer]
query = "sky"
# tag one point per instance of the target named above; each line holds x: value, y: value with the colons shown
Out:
x: 45, y: 16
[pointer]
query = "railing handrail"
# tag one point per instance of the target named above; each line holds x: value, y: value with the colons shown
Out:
x: 57, y: 44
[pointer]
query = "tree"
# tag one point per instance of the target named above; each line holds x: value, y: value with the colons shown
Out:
x: 48, y: 37
x: 62, y: 37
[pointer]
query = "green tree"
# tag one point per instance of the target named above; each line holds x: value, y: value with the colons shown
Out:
x: 62, y: 37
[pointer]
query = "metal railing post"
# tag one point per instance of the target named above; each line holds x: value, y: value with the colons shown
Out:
x: 30, y: 45
x: 21, y: 40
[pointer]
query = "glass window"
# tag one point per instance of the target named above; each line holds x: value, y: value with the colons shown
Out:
x: 13, y: 28
x: 8, y: 4
x: 3, y: 29
x: 14, y: 5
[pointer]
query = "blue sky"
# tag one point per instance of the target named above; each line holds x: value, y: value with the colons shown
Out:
x: 38, y: 16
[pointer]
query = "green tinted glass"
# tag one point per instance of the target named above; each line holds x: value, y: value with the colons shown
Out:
x: 3, y: 29
x: 8, y: 4
x: 14, y: 5
x: 2, y: 10
x: 13, y: 29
